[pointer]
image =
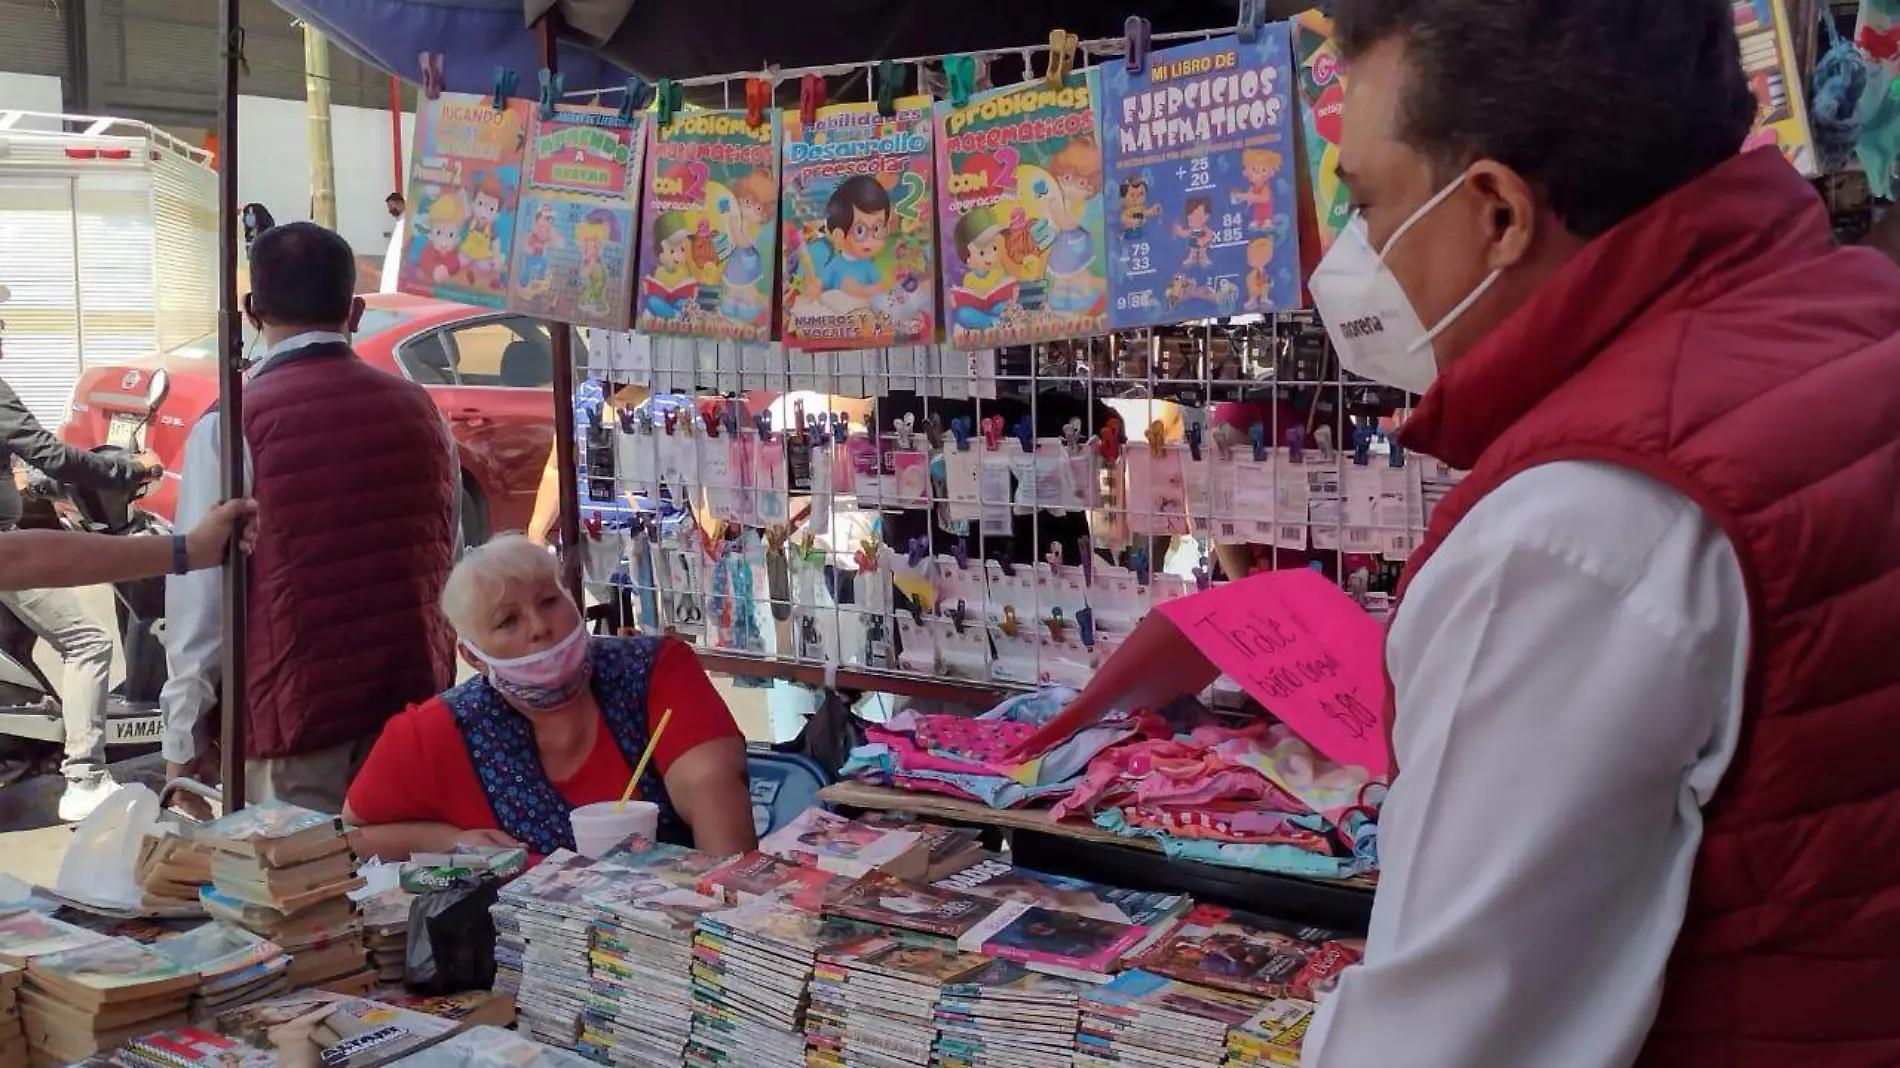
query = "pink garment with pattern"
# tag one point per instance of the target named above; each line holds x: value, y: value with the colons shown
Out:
x: 1191, y: 769
x: 1225, y: 823
x: 983, y: 742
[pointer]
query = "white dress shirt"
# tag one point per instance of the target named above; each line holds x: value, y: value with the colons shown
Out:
x: 1568, y: 670
x: 194, y: 634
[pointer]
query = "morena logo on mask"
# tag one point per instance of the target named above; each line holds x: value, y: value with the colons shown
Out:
x: 1364, y: 326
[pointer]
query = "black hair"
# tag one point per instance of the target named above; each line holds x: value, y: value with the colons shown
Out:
x: 1133, y: 181
x: 861, y: 193
x: 260, y: 221
x: 1602, y: 105
x: 302, y: 275
x: 397, y: 195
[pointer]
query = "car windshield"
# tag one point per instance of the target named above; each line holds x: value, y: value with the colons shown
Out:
x: 375, y: 321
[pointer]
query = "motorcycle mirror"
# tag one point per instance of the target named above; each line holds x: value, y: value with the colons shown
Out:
x: 157, y: 388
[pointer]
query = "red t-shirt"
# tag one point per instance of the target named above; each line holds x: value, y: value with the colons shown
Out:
x: 419, y: 770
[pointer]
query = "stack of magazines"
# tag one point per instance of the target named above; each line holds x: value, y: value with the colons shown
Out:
x: 674, y: 865
x: 95, y: 998
x: 874, y: 1001
x: 1143, y: 1018
x: 1007, y: 1014
x: 1234, y: 950
x: 757, y: 876
x: 1272, y: 1037
x: 640, y: 990
x: 542, y: 937
x: 311, y: 1029
x: 752, y: 969
x: 234, y: 966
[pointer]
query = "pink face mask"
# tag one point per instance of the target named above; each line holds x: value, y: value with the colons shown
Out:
x: 543, y: 681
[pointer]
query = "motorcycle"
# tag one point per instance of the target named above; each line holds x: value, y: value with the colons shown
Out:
x: 31, y: 727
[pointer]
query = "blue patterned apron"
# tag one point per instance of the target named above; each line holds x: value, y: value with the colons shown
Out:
x: 527, y: 805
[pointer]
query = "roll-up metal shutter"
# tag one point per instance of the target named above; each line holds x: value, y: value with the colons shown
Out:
x: 37, y: 263
x: 185, y: 223
x: 117, y: 298
x: 33, y: 39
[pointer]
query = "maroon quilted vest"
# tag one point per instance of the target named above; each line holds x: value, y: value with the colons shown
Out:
x: 1721, y: 344
x: 355, y: 496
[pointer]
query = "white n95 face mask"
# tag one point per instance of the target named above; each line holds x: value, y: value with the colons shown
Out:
x: 1374, y: 328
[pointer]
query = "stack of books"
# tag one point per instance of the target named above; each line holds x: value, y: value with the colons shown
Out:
x: 386, y: 933
x: 12, y: 1036
x: 760, y: 876
x: 543, y: 926
x: 234, y: 966
x: 314, y: 1030
x: 1272, y: 1037
x: 874, y: 1001
x: 752, y: 969
x: 675, y: 865
x: 285, y: 873
x: 950, y: 849
x: 996, y: 878
x: 1144, y: 1018
x: 1007, y: 1014
x: 640, y: 987
x: 25, y: 935
x: 830, y: 842
x: 170, y: 871
x: 1241, y: 951
x: 83, y: 1002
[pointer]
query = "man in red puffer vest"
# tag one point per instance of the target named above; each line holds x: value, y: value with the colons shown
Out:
x: 355, y: 477
x: 1645, y: 705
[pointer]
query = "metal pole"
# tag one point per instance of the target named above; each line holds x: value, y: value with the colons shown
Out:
x: 231, y: 405
x: 316, y: 94
x: 566, y: 469
x: 398, y: 180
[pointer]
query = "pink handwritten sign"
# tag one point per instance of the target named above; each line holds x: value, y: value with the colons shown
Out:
x: 1302, y: 648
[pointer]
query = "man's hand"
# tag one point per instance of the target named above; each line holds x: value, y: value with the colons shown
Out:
x: 486, y: 839
x: 206, y: 543
x: 202, y: 768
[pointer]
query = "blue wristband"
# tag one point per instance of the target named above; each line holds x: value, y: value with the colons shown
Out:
x: 181, y: 555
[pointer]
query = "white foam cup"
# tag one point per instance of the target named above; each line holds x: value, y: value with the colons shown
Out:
x: 600, y: 827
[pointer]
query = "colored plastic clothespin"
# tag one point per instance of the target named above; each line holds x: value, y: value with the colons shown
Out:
x: 958, y: 614
x: 637, y: 97
x: 1054, y: 556
x: 1008, y: 626
x: 1257, y: 434
x: 1395, y: 453
x: 1362, y: 445
x: 775, y: 538
x: 992, y: 432
x: 1111, y: 439
x: 758, y: 97
x: 1194, y: 440
x: 918, y: 550
x: 731, y: 418
x: 763, y: 421
x: 841, y: 426
x: 552, y: 82
x: 811, y: 97
x: 592, y: 525
x: 960, y: 428
x: 889, y: 76
x: 1203, y: 578
x: 504, y: 87
x: 433, y: 78
x: 672, y: 422
x: 1157, y: 436
x: 710, y: 420
x: 867, y: 554
x: 960, y: 71
x: 1138, y: 563
x: 962, y: 553
x: 1086, y: 550
x: 933, y: 430
x: 670, y: 97
x: 1055, y: 623
x: 1323, y: 441
x: 798, y: 419
x: 1025, y: 432
x: 1296, y: 444
x: 1072, y: 435
x: 1253, y: 15
x: 805, y: 543
x: 1062, y: 45
x: 906, y: 429
x: 1085, y: 626
x: 1137, y: 30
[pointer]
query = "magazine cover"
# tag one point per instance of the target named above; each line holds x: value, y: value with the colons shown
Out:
x: 676, y: 865
x: 573, y: 261
x: 215, y: 949
x: 1781, y: 116
x: 111, y: 964
x: 932, y: 965
x: 1059, y: 939
x: 30, y: 934
x: 708, y: 234
x: 860, y: 221
x: 1235, y: 950
x: 1021, y: 216
x: 464, y: 185
x: 1001, y: 881
x: 833, y: 843
x: 271, y: 820
x: 884, y: 899
x: 753, y: 876
x: 314, y: 1029
x: 1322, y: 102
x: 1200, y: 182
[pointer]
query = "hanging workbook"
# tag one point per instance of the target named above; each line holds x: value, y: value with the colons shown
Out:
x: 464, y: 185
x: 574, y: 254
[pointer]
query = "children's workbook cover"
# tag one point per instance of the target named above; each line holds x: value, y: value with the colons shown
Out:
x: 1322, y: 102
x: 464, y: 185
x: 573, y: 258
x: 1201, y: 190
x: 860, y: 249
x: 708, y: 236
x: 1021, y: 214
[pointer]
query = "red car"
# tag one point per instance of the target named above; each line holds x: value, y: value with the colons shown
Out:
x: 490, y: 372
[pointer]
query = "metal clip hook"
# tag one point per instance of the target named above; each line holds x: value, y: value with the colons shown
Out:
x: 552, y: 83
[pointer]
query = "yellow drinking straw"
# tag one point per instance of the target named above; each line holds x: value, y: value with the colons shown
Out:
x: 640, y: 768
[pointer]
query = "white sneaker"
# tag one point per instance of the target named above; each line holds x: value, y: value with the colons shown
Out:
x: 81, y: 798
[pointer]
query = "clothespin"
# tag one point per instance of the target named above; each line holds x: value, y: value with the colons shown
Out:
x: 867, y: 554
x: 1257, y: 434
x: 763, y: 421
x: 933, y: 430
x: 1062, y: 45
x: 962, y: 553
x: 1395, y: 453
x: 551, y: 84
x: 1055, y: 623
x: 1157, y: 436
x: 1072, y: 435
x: 711, y: 422
x: 1203, y: 578
x: 775, y: 538
x: 1054, y: 556
x: 919, y: 550
x: 888, y: 77
x: 504, y: 87
x: 960, y: 71
x: 798, y: 419
x: 731, y: 419
x: 1086, y: 550
x: 758, y: 97
x: 904, y: 427
x: 1025, y: 432
x: 1008, y: 626
x: 1194, y: 440
x: 1111, y: 438
x: 431, y: 64
x: 1323, y: 440
x: 1085, y: 626
x: 992, y: 432
x: 672, y: 421
x: 805, y: 543
x: 1138, y: 563
x: 1296, y: 444
x: 811, y: 97
x: 1362, y: 445
x: 957, y: 615
x: 1253, y: 15
x: 637, y: 97
x: 592, y: 525
x: 671, y: 99
x: 961, y: 427
x: 1137, y: 29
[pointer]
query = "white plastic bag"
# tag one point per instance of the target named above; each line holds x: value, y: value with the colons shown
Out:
x: 99, y: 864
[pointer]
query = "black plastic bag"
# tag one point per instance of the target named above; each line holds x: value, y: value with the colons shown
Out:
x: 452, y: 938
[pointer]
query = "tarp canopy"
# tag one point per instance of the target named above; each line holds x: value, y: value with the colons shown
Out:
x: 604, y: 41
